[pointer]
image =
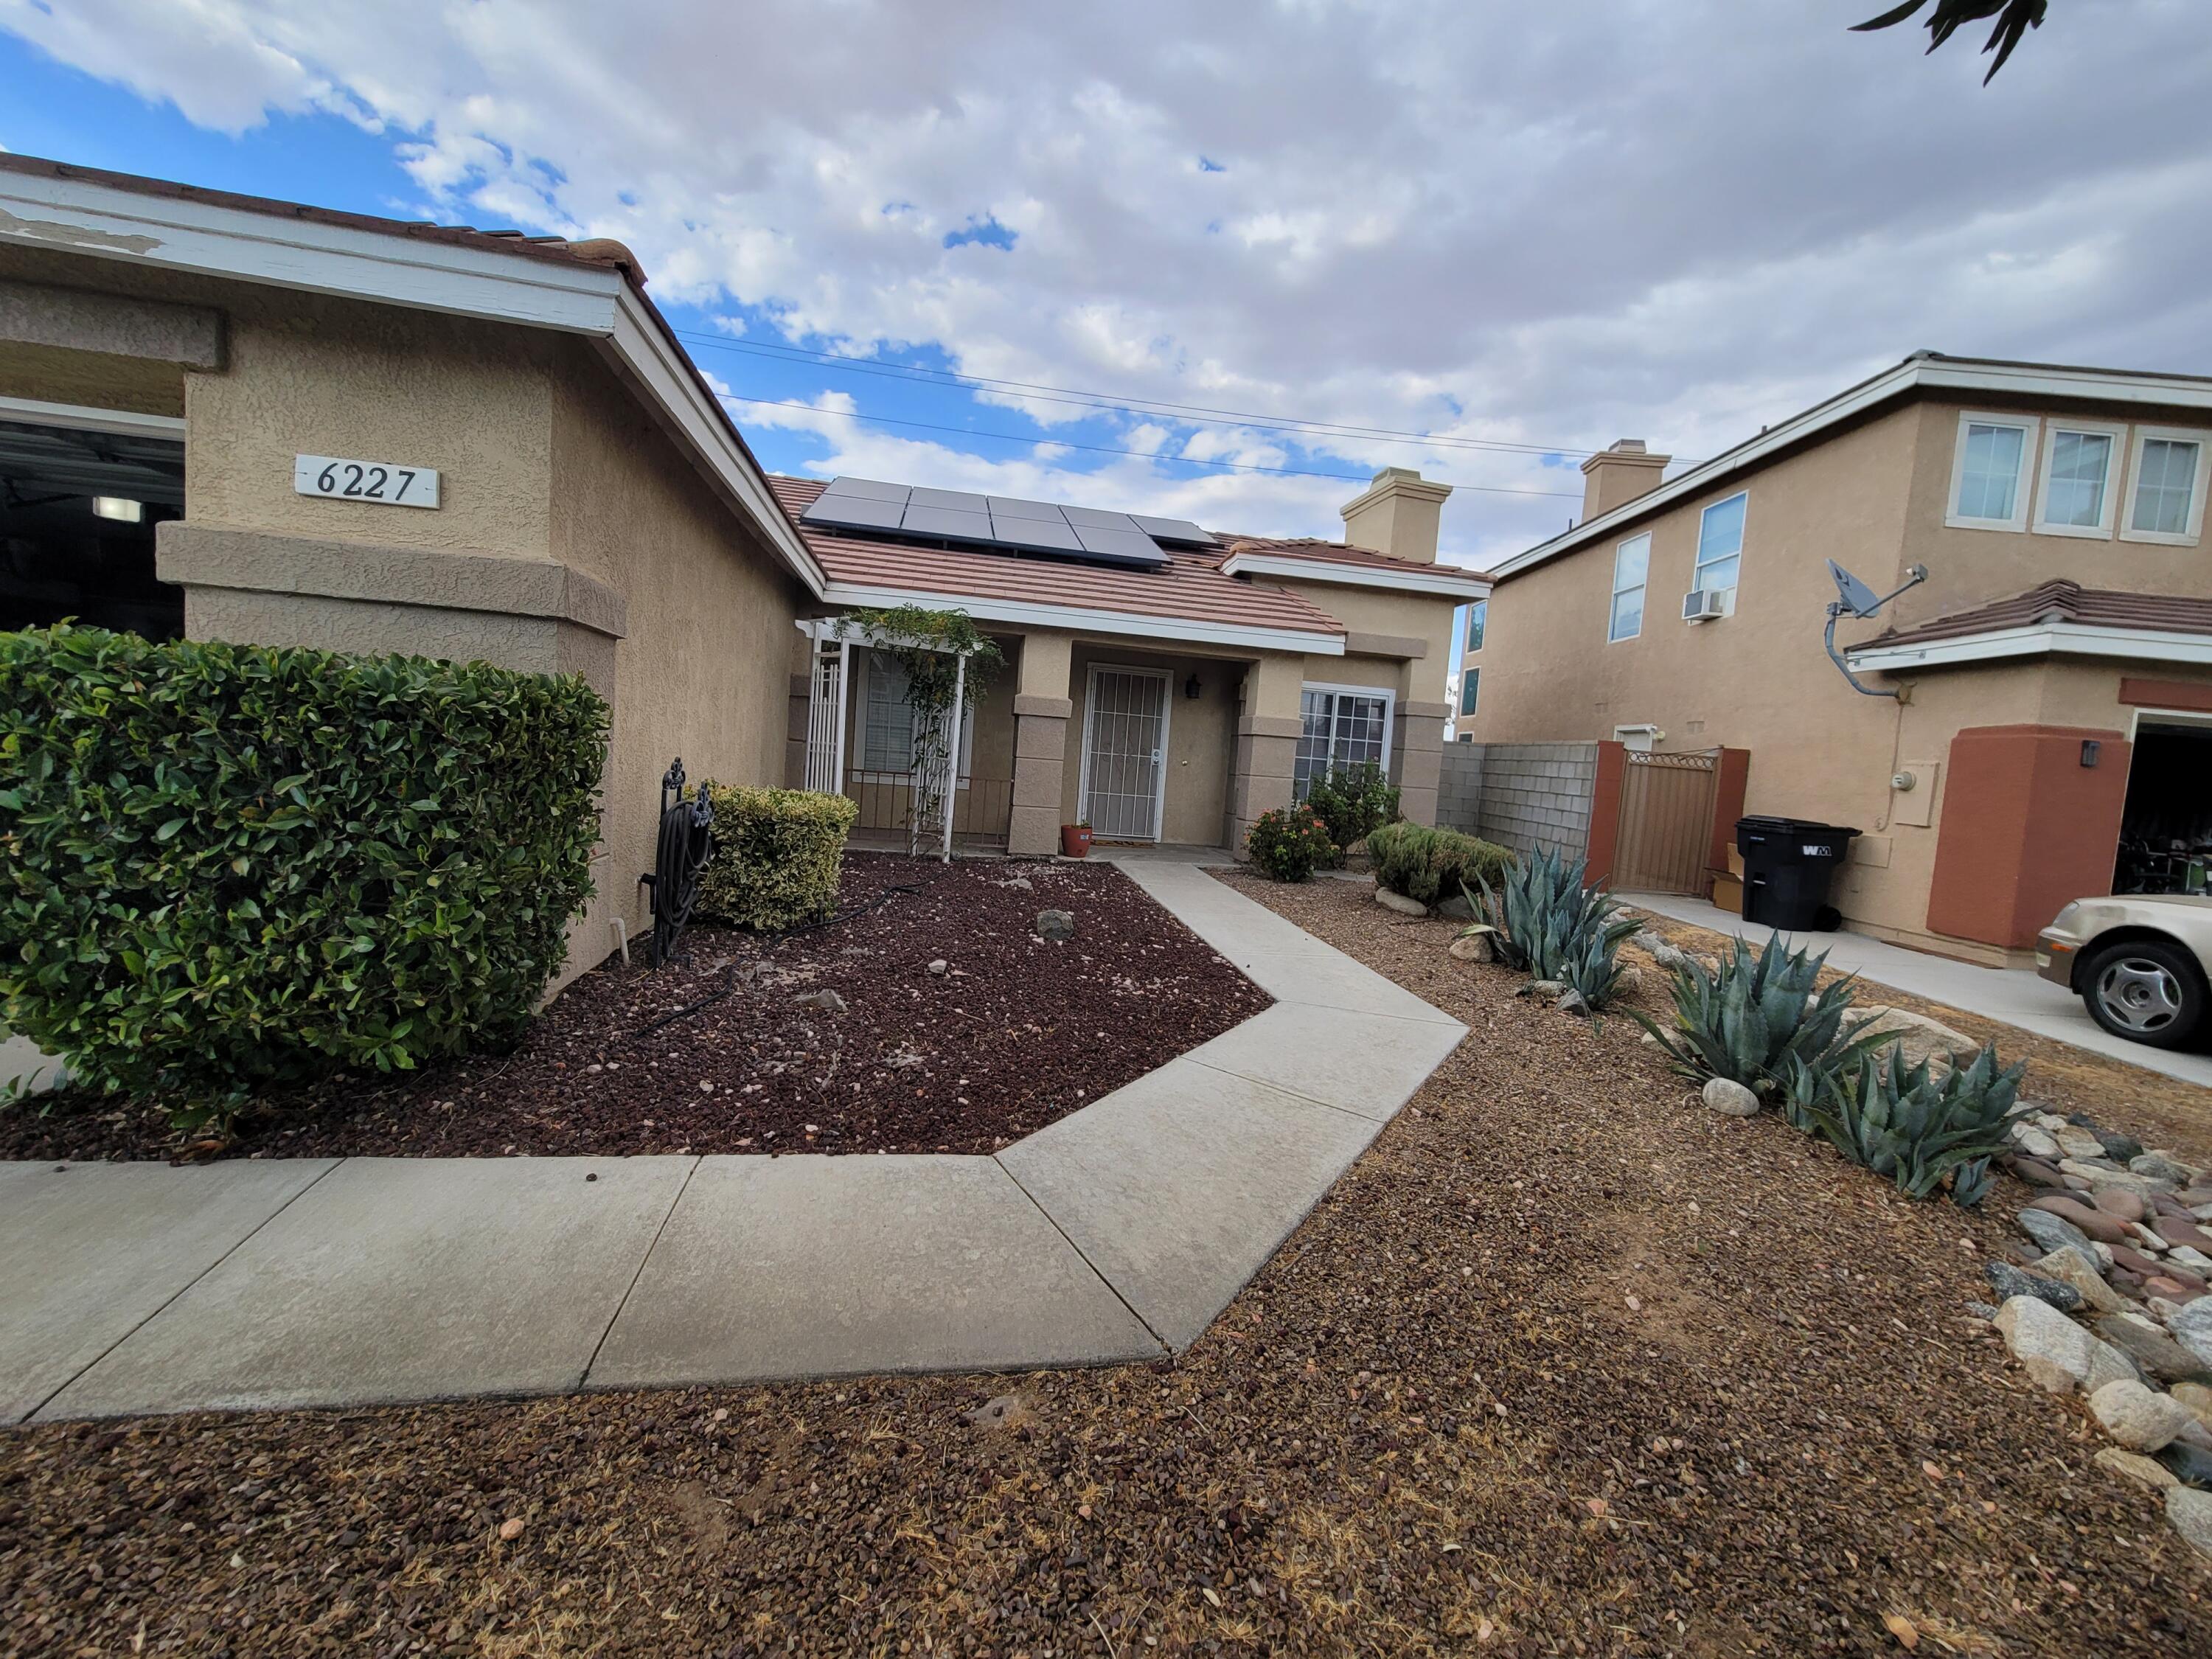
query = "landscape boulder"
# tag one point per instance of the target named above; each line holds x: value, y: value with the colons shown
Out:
x: 1925, y: 1039
x: 2189, y: 1511
x: 2134, y: 1465
x: 2138, y: 1416
x: 2011, y: 1281
x: 2095, y: 1223
x: 1728, y: 1097
x: 1474, y: 946
x: 2055, y: 1233
x: 2069, y: 1267
x: 1055, y: 926
x: 2156, y: 1353
x: 1400, y: 903
x: 2058, y: 1354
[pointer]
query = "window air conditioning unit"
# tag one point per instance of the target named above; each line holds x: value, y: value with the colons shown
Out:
x: 1704, y: 605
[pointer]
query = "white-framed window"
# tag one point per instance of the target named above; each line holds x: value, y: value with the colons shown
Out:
x: 2165, y: 486
x: 1632, y: 571
x: 1720, y: 544
x: 1478, y: 618
x: 884, y: 751
x: 1470, y: 689
x: 2080, y: 460
x: 1341, y: 725
x: 1988, y: 471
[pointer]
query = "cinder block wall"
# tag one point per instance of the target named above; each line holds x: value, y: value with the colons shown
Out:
x: 1522, y: 795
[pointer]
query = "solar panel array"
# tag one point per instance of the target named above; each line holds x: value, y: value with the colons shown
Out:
x: 1006, y: 523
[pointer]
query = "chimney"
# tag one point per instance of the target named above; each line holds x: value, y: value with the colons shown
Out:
x: 1397, y: 514
x: 1619, y: 474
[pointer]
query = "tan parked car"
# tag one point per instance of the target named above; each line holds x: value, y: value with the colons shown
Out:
x: 2140, y: 961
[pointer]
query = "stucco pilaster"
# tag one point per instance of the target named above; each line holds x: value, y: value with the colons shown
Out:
x: 1042, y: 710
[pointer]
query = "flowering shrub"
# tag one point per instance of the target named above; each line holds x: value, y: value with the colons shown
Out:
x: 1290, y: 843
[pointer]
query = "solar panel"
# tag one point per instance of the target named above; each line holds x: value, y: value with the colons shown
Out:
x: 960, y: 501
x: 1130, y: 546
x: 1013, y: 506
x: 923, y: 519
x: 870, y: 489
x: 855, y: 512
x: 1181, y: 531
x: 1039, y: 535
x: 1080, y: 516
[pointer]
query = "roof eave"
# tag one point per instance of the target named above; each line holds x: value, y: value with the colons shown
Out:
x: 1091, y: 619
x: 1423, y: 580
x: 2034, y: 640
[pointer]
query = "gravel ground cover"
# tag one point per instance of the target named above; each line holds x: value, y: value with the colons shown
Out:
x: 1565, y: 1364
x: 928, y: 1021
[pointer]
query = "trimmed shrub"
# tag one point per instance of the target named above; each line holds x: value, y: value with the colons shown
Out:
x: 778, y: 854
x: 1433, y: 864
x: 1353, y: 802
x: 1290, y: 843
x: 230, y: 868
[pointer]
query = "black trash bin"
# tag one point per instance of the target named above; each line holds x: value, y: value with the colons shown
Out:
x: 1787, y: 864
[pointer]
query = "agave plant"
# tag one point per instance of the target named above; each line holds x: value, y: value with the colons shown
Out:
x: 1544, y: 921
x: 1910, y: 1125
x: 1759, y: 1017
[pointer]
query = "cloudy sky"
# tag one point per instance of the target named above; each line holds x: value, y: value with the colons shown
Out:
x: 1182, y: 258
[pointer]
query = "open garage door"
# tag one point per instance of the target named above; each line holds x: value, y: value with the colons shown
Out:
x: 77, y: 510
x: 2166, y: 827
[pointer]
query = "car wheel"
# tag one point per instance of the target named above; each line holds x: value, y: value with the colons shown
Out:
x: 2145, y: 990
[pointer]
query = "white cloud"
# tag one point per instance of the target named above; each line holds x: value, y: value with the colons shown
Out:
x: 1675, y: 219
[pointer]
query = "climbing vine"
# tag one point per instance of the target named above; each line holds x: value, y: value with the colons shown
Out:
x: 947, y: 659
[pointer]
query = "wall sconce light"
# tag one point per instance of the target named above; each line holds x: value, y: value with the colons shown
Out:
x: 120, y: 508
x: 1191, y: 688
x: 2089, y: 747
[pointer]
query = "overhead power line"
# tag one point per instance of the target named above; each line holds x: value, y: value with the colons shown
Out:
x: 846, y: 363
x: 1108, y: 449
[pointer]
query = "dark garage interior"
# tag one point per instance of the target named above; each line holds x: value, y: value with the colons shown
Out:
x: 2165, y: 826
x: 77, y: 512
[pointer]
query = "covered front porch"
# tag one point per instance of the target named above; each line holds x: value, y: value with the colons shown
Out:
x: 1148, y: 744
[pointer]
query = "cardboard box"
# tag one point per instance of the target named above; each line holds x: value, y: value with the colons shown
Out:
x: 1727, y: 894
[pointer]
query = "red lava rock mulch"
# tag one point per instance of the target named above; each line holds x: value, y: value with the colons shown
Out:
x: 837, y: 1040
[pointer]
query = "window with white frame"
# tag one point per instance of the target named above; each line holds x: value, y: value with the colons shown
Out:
x: 1340, y: 726
x: 2078, y: 462
x: 886, y: 721
x: 1720, y: 544
x: 1988, y: 472
x: 1478, y: 618
x: 1632, y: 569
x: 2166, y: 500
x: 1470, y: 688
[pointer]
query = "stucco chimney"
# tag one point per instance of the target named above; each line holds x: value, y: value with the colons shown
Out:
x: 1619, y: 474
x: 1397, y: 514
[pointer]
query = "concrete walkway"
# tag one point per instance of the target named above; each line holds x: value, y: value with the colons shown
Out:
x: 2014, y: 995
x: 1117, y: 1233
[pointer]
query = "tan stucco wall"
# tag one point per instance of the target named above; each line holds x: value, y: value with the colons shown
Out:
x: 1873, y: 498
x: 1377, y: 611
x: 99, y: 380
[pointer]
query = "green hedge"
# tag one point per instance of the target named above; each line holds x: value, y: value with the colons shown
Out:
x: 234, y: 867
x: 777, y: 855
x: 1432, y: 865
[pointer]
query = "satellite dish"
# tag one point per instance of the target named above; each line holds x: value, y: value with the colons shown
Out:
x: 1858, y: 599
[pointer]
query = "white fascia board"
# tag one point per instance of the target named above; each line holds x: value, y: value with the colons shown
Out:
x: 2042, y: 638
x: 1917, y: 373
x: 1084, y: 619
x: 1423, y: 580
x: 76, y: 216
x: 668, y: 380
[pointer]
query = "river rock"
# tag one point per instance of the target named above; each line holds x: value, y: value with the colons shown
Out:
x: 1474, y: 945
x: 2158, y: 1354
x: 2058, y: 1354
x: 2068, y: 1268
x: 2138, y: 1417
x: 2079, y: 1143
x: 1400, y: 903
x: 1457, y: 908
x: 2196, y: 1395
x: 2192, y: 1326
x: 2037, y: 1172
x: 2117, y: 1147
x: 2120, y: 1203
x: 2189, y: 1511
x: 1055, y: 926
x: 2093, y: 1221
x: 1728, y: 1097
x: 2157, y: 1166
x: 2174, y: 1230
x: 2011, y: 1281
x: 2191, y: 1465
x: 2056, y: 1233
x: 1550, y: 990
x: 2037, y: 1143
x: 2134, y: 1465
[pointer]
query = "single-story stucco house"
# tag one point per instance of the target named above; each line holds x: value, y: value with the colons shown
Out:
x: 234, y: 418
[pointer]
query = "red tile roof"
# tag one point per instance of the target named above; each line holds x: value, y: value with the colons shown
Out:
x: 2058, y: 601
x: 1189, y: 588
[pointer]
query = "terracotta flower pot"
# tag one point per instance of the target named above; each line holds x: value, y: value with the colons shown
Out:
x: 1075, y: 840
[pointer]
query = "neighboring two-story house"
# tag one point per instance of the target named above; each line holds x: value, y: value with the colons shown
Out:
x: 2041, y: 719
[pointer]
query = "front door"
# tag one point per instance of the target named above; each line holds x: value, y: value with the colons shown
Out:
x: 1125, y: 748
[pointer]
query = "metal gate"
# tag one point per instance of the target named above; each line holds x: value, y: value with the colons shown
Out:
x: 1125, y: 747
x: 1665, y: 823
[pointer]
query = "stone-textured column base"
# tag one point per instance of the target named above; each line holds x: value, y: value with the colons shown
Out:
x: 1417, y: 758
x: 1267, y: 759
x: 1040, y: 768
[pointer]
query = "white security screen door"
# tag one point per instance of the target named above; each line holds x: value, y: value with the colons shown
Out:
x: 1125, y: 753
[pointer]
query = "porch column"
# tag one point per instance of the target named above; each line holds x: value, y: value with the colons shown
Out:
x: 1041, y: 709
x: 1417, y: 757
x: 1267, y: 727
